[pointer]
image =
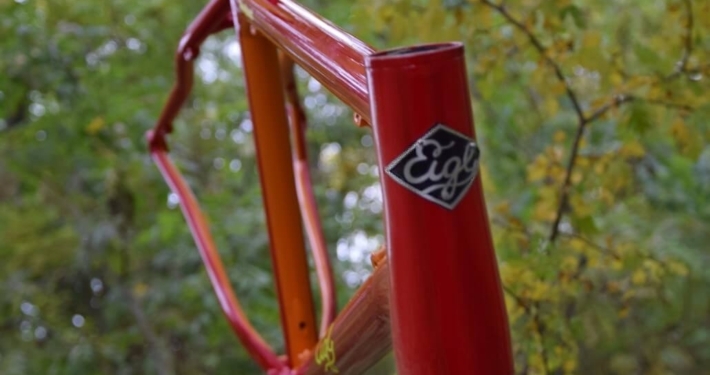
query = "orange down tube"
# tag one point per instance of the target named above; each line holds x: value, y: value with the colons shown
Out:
x: 271, y: 134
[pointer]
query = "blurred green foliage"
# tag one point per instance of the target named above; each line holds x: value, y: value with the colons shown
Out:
x: 592, y: 119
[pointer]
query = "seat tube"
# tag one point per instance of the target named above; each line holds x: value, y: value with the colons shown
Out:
x: 273, y: 149
x: 448, y: 312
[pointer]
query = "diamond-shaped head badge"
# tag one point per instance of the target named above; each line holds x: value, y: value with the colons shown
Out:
x: 440, y: 166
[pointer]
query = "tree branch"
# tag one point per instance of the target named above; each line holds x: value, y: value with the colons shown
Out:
x: 682, y: 65
x: 582, y: 119
x: 593, y: 245
x: 682, y: 69
x: 564, y: 194
x: 616, y: 102
x: 621, y: 99
x: 522, y: 303
x: 500, y: 8
x: 687, y: 38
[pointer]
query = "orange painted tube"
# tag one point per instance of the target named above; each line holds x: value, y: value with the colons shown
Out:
x: 271, y: 135
x: 306, y: 197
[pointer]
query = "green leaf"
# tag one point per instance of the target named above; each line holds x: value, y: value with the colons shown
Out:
x: 585, y: 225
x: 639, y: 118
x: 576, y: 14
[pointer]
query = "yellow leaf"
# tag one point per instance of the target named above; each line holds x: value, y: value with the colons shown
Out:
x: 544, y: 212
x: 546, y: 204
x: 593, y: 259
x: 576, y: 177
x: 569, y: 366
x: 558, y: 88
x: 638, y: 81
x: 557, y: 173
x: 591, y: 40
x: 538, y: 169
x: 552, y: 106
x: 655, y: 93
x: 616, y: 79
x: 559, y: 136
x: 639, y: 277
x: 628, y: 294
x: 617, y: 264
x: 686, y: 138
x: 540, y: 291
x: 536, y: 363
x: 654, y: 269
x: 678, y: 268
x: 95, y: 125
x: 483, y: 17
x: 598, y: 102
x: 599, y: 168
x: 606, y: 196
x: 569, y: 263
x: 577, y: 244
x: 579, y: 206
x: 140, y: 289
x: 503, y: 208
x: 624, y: 312
x: 633, y: 149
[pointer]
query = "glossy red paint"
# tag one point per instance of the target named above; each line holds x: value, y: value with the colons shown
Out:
x: 332, y: 56
x: 448, y: 312
x: 213, y: 18
x: 252, y: 341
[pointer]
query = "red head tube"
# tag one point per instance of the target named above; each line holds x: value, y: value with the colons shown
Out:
x: 448, y: 312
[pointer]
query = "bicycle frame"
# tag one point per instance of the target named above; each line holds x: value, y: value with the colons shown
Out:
x: 440, y: 276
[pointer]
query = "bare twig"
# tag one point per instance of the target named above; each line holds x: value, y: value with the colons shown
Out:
x: 521, y: 302
x: 681, y: 68
x: 621, y: 99
x: 667, y: 104
x: 567, y: 183
x: 593, y: 245
x: 618, y: 100
x: 687, y: 38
